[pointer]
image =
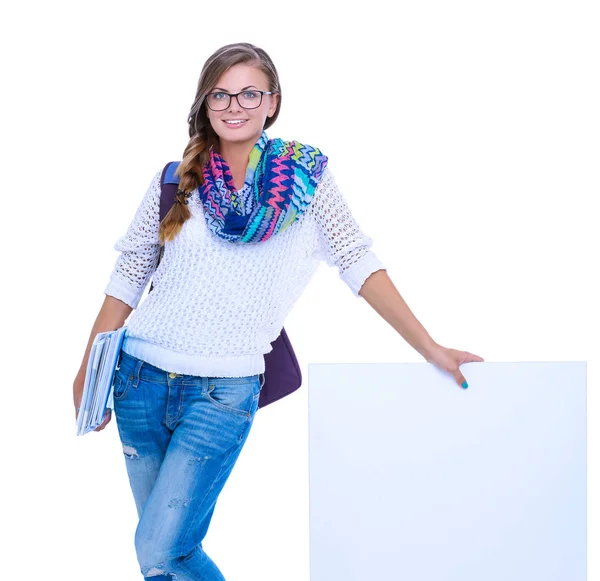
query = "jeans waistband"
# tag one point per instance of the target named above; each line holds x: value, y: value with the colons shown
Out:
x: 130, y: 365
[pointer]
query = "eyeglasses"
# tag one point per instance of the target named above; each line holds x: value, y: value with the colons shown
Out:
x: 220, y: 101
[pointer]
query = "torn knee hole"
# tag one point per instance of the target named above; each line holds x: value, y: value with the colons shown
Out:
x: 156, y: 571
x: 130, y: 452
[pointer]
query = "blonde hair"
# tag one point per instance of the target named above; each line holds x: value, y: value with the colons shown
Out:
x: 202, y: 135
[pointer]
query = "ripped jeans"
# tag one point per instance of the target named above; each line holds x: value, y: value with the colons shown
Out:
x: 181, y: 436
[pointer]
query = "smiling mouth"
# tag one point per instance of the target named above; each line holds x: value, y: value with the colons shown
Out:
x: 235, y: 121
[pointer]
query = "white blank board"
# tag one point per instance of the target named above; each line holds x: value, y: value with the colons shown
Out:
x: 413, y: 478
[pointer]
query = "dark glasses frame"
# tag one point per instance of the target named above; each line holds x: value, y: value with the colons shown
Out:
x: 236, y: 95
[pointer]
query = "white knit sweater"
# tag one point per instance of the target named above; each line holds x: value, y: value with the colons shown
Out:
x: 217, y: 306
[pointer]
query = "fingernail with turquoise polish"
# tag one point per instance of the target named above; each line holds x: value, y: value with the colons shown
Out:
x: 465, y: 384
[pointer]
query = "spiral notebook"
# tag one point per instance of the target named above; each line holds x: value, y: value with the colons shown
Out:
x: 98, y: 383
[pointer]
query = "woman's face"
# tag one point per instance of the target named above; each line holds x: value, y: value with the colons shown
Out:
x: 241, y: 77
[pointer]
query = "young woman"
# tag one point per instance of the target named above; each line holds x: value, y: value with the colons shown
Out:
x: 253, y: 218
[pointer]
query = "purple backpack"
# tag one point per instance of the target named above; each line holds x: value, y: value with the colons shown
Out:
x: 282, y: 372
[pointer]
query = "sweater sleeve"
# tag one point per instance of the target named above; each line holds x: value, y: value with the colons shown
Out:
x: 139, y: 249
x: 341, y: 241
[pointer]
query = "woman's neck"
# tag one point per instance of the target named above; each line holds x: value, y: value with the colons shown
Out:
x: 236, y: 155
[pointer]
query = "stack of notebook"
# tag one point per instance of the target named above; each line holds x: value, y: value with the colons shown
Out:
x: 99, y: 376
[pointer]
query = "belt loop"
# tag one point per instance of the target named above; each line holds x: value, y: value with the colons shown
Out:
x: 262, y: 379
x: 136, y: 373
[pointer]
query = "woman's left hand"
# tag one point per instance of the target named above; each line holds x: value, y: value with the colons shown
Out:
x: 448, y: 360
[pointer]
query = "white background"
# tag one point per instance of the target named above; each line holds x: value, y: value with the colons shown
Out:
x: 465, y: 138
x: 445, y: 484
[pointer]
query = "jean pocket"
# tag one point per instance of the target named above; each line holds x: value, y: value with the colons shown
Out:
x: 236, y: 397
x: 120, y: 385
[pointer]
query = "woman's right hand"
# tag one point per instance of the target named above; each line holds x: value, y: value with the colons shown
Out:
x: 112, y: 316
x: 78, y: 396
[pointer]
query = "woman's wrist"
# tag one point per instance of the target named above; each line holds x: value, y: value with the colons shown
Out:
x: 427, y: 348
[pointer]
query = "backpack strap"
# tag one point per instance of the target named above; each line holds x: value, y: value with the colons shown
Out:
x: 169, y: 183
x: 168, y: 188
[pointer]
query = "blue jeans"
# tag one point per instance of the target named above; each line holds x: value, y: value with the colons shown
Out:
x: 181, y: 436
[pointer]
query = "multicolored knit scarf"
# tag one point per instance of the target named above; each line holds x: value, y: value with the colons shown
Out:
x: 280, y: 182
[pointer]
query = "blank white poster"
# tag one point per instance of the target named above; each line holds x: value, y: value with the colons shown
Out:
x: 415, y: 478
